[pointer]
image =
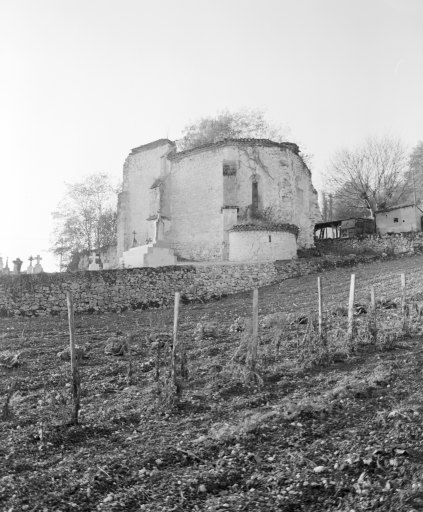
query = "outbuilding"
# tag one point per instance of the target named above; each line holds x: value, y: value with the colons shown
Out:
x: 399, y: 219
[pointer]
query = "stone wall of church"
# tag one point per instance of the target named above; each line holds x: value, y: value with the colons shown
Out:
x: 142, y: 167
x: 198, y: 186
x: 195, y: 192
x: 286, y: 193
x: 306, y: 212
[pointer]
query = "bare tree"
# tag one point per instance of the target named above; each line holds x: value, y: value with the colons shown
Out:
x: 86, y: 218
x: 325, y: 214
x: 414, y: 176
x: 370, y: 177
x: 228, y: 125
x: 330, y: 207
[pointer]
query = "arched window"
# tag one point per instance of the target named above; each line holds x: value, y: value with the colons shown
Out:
x: 255, y: 197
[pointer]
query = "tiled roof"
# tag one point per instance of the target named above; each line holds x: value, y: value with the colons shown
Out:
x: 395, y: 208
x: 236, y: 142
x: 329, y: 223
x: 270, y: 226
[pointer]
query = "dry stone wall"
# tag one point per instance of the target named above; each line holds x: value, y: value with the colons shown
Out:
x: 390, y: 244
x: 142, y: 288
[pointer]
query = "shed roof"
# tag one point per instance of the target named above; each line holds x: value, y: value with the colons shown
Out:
x: 334, y: 223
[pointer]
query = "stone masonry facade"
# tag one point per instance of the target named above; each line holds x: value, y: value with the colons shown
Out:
x: 200, y: 194
x: 390, y: 244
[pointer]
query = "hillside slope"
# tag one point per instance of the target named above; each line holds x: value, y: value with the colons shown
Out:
x: 343, y: 435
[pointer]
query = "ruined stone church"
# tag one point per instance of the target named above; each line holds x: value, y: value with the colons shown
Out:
x: 236, y: 200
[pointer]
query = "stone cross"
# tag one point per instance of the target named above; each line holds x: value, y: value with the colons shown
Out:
x: 30, y: 269
x: 134, y: 241
x: 6, y: 269
x: 38, y: 268
x: 94, y: 262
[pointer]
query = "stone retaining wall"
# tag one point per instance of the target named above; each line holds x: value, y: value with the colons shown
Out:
x: 142, y: 288
x: 390, y: 244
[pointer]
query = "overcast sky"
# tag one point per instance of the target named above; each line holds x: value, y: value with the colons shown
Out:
x: 84, y: 81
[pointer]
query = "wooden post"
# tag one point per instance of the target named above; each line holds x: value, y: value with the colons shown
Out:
x: 254, y: 334
x: 319, y: 294
x: 175, y: 337
x: 403, y: 291
x: 372, y: 319
x: 76, y: 384
x: 372, y: 299
x: 403, y: 303
x: 351, y: 308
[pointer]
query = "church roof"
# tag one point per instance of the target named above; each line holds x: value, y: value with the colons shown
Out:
x: 235, y: 142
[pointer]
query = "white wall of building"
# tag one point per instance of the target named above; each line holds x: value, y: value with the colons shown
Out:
x: 261, y: 245
x: 399, y: 220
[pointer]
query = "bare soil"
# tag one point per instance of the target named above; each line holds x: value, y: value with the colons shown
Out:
x: 345, y: 436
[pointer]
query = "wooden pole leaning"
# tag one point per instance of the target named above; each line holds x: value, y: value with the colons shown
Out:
x: 76, y: 382
x: 350, y: 331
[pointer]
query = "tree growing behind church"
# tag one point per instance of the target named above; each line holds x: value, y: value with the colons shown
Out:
x: 368, y: 178
x: 414, y: 175
x: 246, y: 123
x: 85, y: 219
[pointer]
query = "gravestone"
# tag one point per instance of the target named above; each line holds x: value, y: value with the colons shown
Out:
x: 1, y: 265
x: 17, y: 265
x: 38, y: 268
x: 30, y: 269
x: 94, y: 262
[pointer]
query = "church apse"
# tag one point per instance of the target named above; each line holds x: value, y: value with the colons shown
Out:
x: 192, y: 199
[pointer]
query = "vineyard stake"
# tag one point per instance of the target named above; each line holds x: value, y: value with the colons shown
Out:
x: 351, y: 308
x: 403, y: 291
x: 254, y: 337
x: 175, y: 337
x: 403, y: 303
x: 319, y: 294
x: 372, y: 299
x: 76, y: 383
x: 373, y: 329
